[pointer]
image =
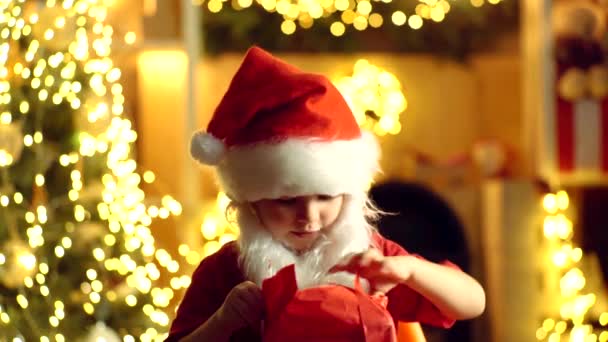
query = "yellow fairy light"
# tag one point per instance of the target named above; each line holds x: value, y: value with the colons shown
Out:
x: 572, y: 282
x: 437, y: 14
x: 54, y: 321
x: 360, y: 22
x: 59, y: 251
x: 6, y: 118
x: 423, y: 11
x: 415, y: 22
x: 288, y: 27
x: 548, y: 324
x: 131, y: 300
x: 398, y: 18
x: 88, y: 308
x: 193, y: 258
x: 27, y: 260
x: 550, y: 227
x: 604, y: 319
x: 337, y: 29
x: 562, y: 200
x: 563, y: 227
x: 5, y: 158
x: 22, y: 301
x: 364, y: 7
x: 209, y: 227
x: 38, y: 137
x: 541, y: 334
x: 5, y: 318
x: 210, y: 247
x: 375, y: 20
x: 28, y: 282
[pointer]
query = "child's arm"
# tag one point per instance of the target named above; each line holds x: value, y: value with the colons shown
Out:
x: 453, y: 292
x: 243, y: 306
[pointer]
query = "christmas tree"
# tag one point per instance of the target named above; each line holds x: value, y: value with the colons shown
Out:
x: 77, y: 257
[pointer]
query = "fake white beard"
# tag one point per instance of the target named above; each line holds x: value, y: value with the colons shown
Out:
x: 262, y: 257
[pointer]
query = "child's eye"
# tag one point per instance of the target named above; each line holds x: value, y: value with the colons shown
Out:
x: 325, y: 197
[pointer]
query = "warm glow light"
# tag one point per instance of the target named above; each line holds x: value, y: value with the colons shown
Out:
x: 373, y: 90
x: 59, y: 53
x: 360, y: 14
x: 574, y: 302
x: 415, y: 22
x: 399, y: 18
x: 130, y: 38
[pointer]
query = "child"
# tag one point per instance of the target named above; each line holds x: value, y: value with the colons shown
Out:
x: 292, y: 158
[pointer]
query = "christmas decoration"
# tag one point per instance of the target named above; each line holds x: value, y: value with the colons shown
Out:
x: 581, y: 111
x: 572, y: 321
x: 74, y: 220
x: 11, y: 141
x: 374, y: 96
x: 466, y: 28
x: 54, y: 29
x: 17, y: 262
x: 95, y: 116
x: 579, y: 27
x: 360, y: 14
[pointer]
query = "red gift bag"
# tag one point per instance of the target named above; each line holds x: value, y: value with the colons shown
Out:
x: 328, y: 313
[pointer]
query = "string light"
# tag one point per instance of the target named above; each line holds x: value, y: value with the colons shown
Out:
x: 574, y: 302
x: 80, y: 73
x: 358, y: 13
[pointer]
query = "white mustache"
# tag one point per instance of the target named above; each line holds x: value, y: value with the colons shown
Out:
x: 308, y: 228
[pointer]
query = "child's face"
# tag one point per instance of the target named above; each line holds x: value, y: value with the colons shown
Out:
x: 299, y: 221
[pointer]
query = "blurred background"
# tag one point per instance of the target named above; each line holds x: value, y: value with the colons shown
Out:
x: 492, y: 117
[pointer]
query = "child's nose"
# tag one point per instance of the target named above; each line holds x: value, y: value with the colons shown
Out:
x: 309, y: 212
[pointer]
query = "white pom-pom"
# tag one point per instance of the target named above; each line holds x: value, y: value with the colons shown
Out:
x: 207, y: 149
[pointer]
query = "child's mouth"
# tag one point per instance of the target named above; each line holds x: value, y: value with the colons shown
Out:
x: 304, y: 233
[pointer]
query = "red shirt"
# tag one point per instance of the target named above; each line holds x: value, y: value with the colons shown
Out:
x: 219, y: 273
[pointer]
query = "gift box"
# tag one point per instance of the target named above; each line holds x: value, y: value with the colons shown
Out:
x: 582, y: 139
x: 328, y: 313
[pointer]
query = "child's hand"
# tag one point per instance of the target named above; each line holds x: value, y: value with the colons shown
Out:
x: 243, y: 306
x: 381, y: 271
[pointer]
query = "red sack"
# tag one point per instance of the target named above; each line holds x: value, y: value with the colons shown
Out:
x: 328, y: 313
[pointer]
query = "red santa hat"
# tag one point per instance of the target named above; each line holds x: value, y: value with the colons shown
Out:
x: 281, y: 132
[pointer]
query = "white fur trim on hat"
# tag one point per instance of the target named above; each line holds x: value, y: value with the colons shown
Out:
x: 206, y: 148
x: 297, y: 167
